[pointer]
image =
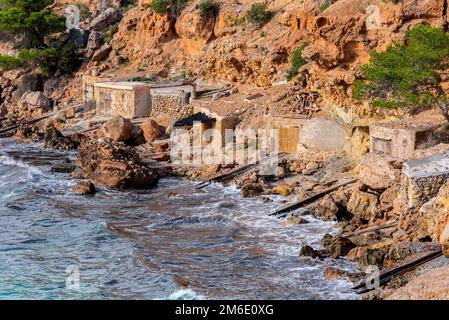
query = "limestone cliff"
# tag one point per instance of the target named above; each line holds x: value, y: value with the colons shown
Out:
x: 131, y: 38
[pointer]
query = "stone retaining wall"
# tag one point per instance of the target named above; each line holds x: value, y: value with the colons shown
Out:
x: 175, y: 106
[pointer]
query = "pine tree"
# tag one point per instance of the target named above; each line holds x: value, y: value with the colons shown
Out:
x: 409, y: 74
x: 30, y: 18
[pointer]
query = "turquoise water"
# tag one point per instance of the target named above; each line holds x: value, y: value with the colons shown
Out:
x: 171, y: 242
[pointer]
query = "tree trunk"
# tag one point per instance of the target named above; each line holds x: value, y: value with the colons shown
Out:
x: 444, y: 107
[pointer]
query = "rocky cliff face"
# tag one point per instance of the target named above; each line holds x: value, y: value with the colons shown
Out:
x: 130, y: 39
x: 223, y: 46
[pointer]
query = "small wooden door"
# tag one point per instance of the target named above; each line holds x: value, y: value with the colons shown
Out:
x: 288, y: 140
x: 382, y: 145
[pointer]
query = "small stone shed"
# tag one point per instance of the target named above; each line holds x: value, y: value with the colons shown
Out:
x: 319, y: 133
x: 126, y: 99
x: 401, y: 138
x: 220, y: 123
x: 129, y: 99
x: 88, y: 87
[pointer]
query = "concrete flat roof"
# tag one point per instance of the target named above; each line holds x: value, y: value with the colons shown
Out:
x: 410, y: 124
x: 172, y: 89
x: 131, y: 85
x: 123, y: 85
x: 213, y: 114
x: 435, y: 165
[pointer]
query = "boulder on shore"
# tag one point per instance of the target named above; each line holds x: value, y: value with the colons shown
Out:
x: 331, y: 273
x: 364, y: 204
x: 114, y: 165
x: 54, y: 139
x: 102, y: 53
x: 38, y: 100
x: 329, y: 209
x: 283, y: 190
x: 379, y: 172
x: 151, y: 130
x: 118, y: 129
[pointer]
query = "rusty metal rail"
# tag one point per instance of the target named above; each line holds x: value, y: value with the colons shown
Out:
x: 283, y: 211
x: 386, y: 275
x: 240, y: 170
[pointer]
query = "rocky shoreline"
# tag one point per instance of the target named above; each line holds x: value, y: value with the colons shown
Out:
x: 123, y: 155
x: 297, y: 70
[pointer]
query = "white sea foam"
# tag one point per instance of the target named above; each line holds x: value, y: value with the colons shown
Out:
x: 185, y: 294
x: 8, y: 161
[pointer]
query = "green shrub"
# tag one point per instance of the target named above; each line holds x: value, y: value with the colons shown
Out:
x: 9, y: 62
x: 259, y: 14
x: 65, y: 59
x: 297, y: 61
x: 208, y: 6
x: 174, y: 7
x: 46, y: 59
x: 160, y: 6
x: 128, y: 5
x: 30, y: 18
x: 69, y: 58
x: 408, y: 74
x: 109, y: 34
x: 33, y: 20
x: 324, y: 6
x: 236, y: 21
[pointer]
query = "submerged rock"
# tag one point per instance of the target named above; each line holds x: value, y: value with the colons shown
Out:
x: 63, y: 168
x: 293, y: 219
x: 264, y: 200
x: 84, y: 188
x: 308, y: 251
x: 114, y: 165
x: 337, y: 246
x: 332, y: 273
x: 251, y: 190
